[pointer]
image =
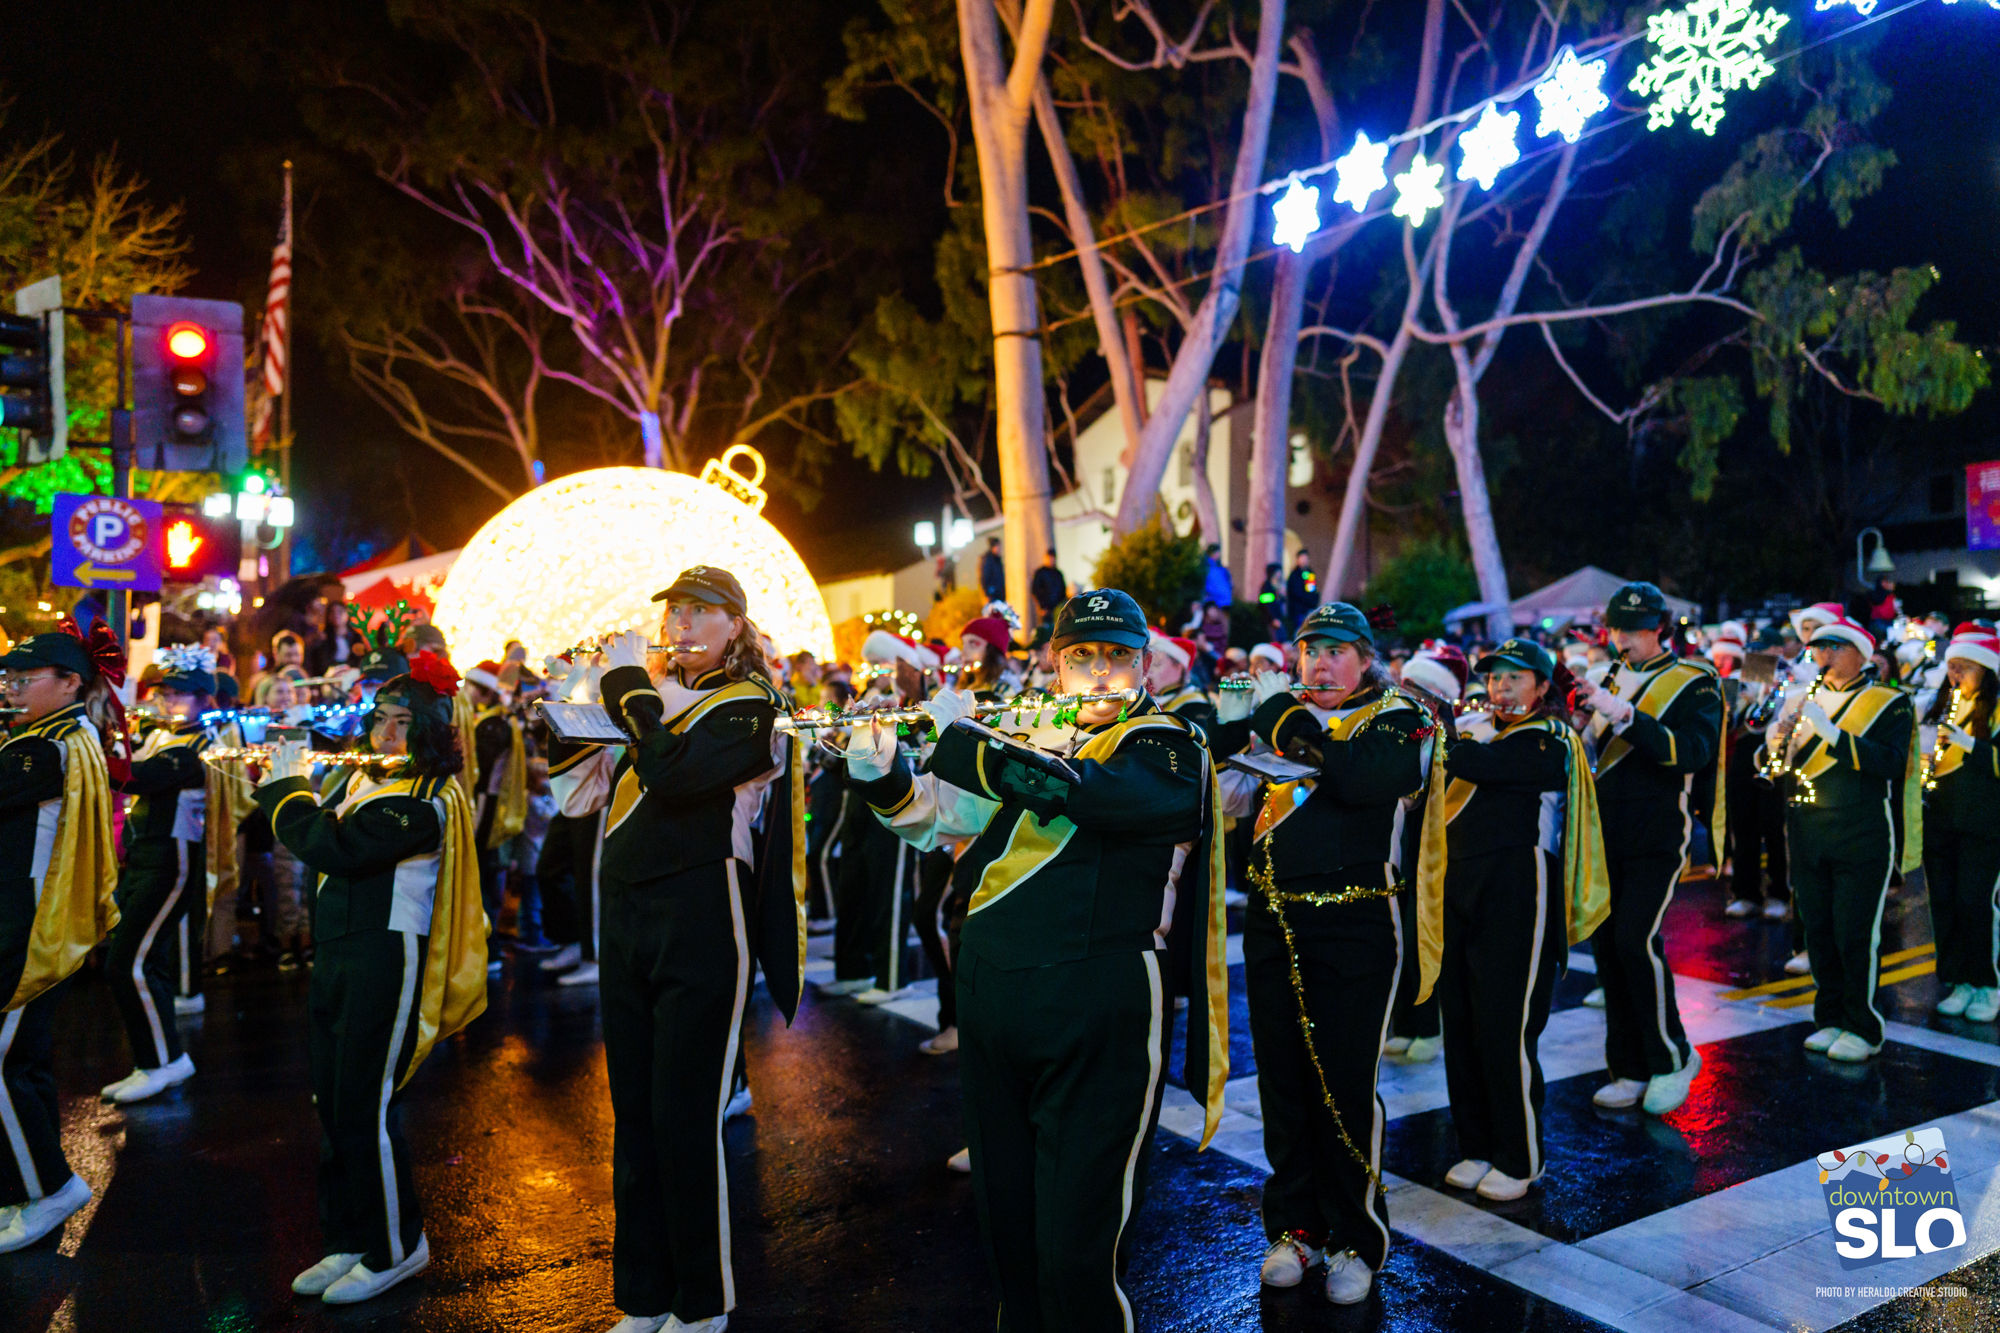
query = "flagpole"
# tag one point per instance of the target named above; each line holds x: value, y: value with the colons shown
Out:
x: 284, y: 570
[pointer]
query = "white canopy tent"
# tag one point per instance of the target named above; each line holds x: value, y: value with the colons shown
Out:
x: 1577, y: 596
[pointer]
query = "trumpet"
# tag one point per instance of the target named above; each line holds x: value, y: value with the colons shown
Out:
x: 261, y: 754
x: 814, y: 721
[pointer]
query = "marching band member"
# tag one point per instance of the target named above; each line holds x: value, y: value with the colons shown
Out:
x: 1851, y: 761
x: 400, y: 937
x: 1062, y: 1001
x: 1657, y: 734
x: 1962, y: 828
x: 1324, y: 945
x: 982, y: 653
x: 165, y: 876
x: 1756, y: 833
x: 1525, y: 883
x: 568, y: 869
x: 1440, y: 671
x: 878, y: 871
x: 682, y: 922
x: 1167, y: 681
x: 56, y: 900
x: 499, y: 759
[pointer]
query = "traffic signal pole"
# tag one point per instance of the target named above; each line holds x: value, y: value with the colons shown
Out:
x: 117, y: 606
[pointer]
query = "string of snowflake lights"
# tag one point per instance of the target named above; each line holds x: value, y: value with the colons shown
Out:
x: 1698, y: 52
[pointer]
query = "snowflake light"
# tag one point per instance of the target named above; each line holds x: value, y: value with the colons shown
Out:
x: 1701, y: 52
x: 1865, y: 7
x: 1297, y: 214
x: 1361, y: 172
x: 1990, y: 4
x: 584, y: 555
x: 1488, y: 148
x: 1570, y: 95
x: 1417, y: 190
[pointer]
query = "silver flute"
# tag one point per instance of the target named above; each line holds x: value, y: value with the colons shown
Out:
x: 806, y: 721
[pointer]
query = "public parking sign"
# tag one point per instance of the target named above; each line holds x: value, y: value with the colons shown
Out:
x: 100, y: 541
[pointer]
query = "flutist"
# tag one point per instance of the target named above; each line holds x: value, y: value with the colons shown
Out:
x: 682, y: 924
x: 1962, y: 828
x: 1076, y: 874
x: 1852, y: 764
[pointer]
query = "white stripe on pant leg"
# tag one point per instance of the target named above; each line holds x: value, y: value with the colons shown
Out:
x: 1156, y: 999
x: 904, y: 853
x: 1881, y: 902
x: 1527, y: 1002
x: 729, y: 1082
x: 392, y: 1202
x: 1375, y: 1106
x: 1992, y: 921
x: 1657, y: 959
x: 139, y: 977
x: 181, y: 927
x: 10, y: 1120
x: 596, y: 871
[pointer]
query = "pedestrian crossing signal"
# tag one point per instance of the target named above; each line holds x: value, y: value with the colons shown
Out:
x: 195, y: 546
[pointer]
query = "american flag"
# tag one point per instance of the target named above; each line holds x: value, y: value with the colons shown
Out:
x: 277, y: 320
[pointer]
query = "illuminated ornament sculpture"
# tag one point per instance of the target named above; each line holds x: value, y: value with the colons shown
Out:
x: 1361, y: 172
x: 1488, y: 148
x: 1867, y: 7
x: 1417, y: 191
x: 1701, y: 52
x: 584, y: 554
x: 1297, y: 214
x: 1572, y: 93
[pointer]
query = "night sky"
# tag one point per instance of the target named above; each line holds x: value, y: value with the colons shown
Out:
x: 145, y: 81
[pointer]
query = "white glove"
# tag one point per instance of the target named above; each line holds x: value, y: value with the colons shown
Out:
x: 627, y: 648
x: 948, y: 706
x: 1267, y: 685
x: 289, y: 761
x: 556, y: 669
x: 1613, y: 709
x: 1233, y: 705
x: 1816, y: 718
x: 1958, y: 736
x: 871, y: 751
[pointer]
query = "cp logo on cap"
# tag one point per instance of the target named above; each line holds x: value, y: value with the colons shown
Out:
x: 1098, y: 603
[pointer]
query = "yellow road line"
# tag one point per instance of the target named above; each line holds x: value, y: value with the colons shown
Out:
x: 1922, y: 969
x: 1793, y: 983
x: 1792, y: 1001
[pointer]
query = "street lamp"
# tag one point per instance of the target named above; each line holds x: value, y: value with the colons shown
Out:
x: 1865, y: 563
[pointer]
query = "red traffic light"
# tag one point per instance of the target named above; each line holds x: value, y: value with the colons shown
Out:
x: 187, y: 341
x: 184, y: 542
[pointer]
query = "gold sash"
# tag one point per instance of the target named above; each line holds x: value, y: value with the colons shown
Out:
x: 76, y: 909
x: 1858, y: 712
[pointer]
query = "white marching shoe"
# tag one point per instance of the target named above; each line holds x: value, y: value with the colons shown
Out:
x: 362, y: 1282
x: 1740, y: 908
x: 712, y: 1325
x: 1347, y: 1278
x: 960, y: 1161
x: 563, y: 959
x: 1776, y: 909
x: 110, y: 1090
x: 1619, y: 1094
x: 1422, y: 1050
x: 582, y: 975
x: 1594, y: 999
x: 1852, y: 1050
x: 153, y: 1082
x: 1286, y: 1262
x: 190, y: 1004
x: 1818, y: 1042
x: 1954, y: 1004
x: 1666, y: 1092
x: 1395, y: 1045
x: 1467, y: 1174
x: 1984, y: 1006
x: 1798, y: 965
x: 738, y: 1104
x: 325, y: 1273
x: 1501, y: 1187
x: 36, y: 1219
x: 641, y: 1323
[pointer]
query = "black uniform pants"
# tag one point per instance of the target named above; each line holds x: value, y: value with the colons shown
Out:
x: 937, y: 928
x: 1349, y: 958
x: 1060, y: 1070
x: 1962, y: 876
x: 1506, y: 941
x: 363, y: 1002
x: 567, y: 873
x: 1842, y: 858
x: 1757, y: 823
x: 1643, y: 1035
x: 1412, y: 1019
x: 676, y: 973
x: 875, y: 883
x: 146, y: 955
x: 31, y: 1157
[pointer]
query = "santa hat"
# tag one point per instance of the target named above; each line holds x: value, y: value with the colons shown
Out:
x: 881, y: 648
x: 1911, y: 651
x: 1839, y: 627
x: 487, y: 673
x: 1439, y: 668
x: 1975, y: 643
x: 1270, y: 652
x: 1576, y: 655
x: 1174, y: 650
x: 1732, y: 632
x: 992, y: 629
x: 1822, y: 612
